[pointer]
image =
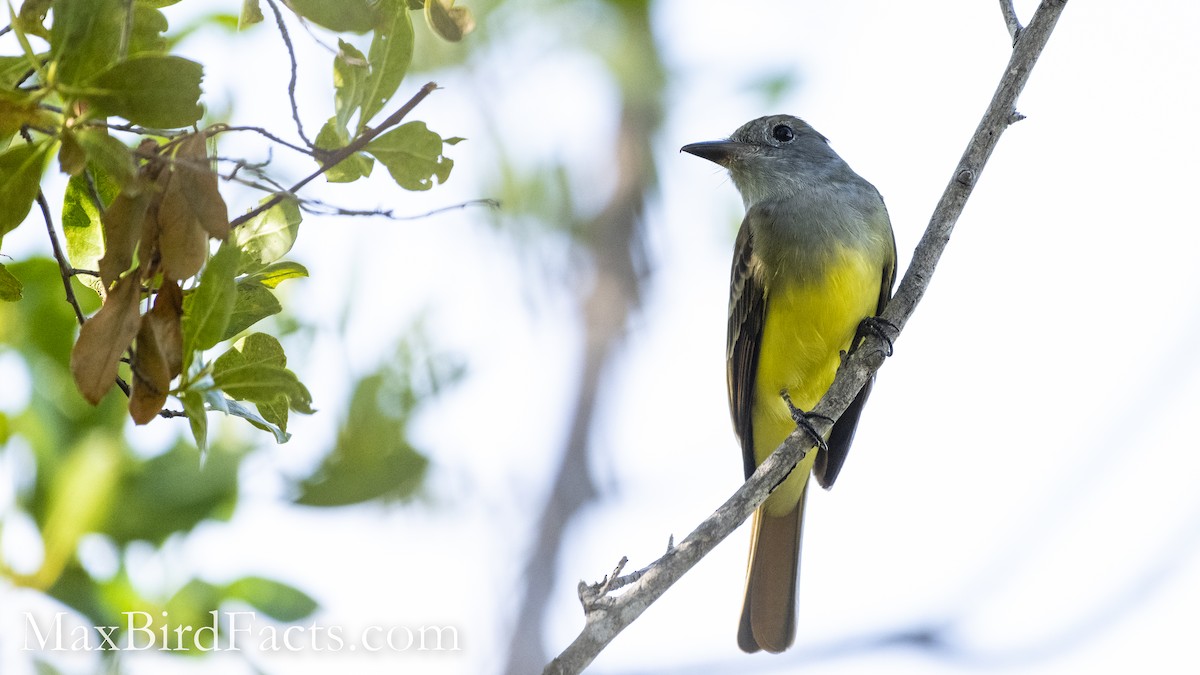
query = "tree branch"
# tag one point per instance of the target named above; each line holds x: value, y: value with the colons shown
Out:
x: 1010, y: 20
x: 333, y: 158
x: 606, y: 616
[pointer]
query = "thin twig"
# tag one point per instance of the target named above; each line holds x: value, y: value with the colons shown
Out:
x: 612, y: 614
x: 221, y: 128
x: 334, y: 158
x: 134, y: 128
x: 287, y: 41
x: 318, y: 207
x: 1010, y: 20
x: 64, y: 268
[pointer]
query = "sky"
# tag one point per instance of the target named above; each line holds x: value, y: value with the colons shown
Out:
x: 1022, y: 475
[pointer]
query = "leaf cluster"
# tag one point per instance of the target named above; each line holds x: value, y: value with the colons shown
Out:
x: 145, y: 220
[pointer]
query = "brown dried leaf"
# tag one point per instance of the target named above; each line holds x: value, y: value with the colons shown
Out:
x: 195, y: 184
x: 122, y: 223
x: 104, y: 337
x: 165, y: 320
x: 148, y: 253
x: 151, y: 378
x: 158, y: 354
x: 182, y: 240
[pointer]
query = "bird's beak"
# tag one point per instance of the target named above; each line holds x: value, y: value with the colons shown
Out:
x: 721, y: 152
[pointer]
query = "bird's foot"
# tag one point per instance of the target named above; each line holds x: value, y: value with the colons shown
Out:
x: 880, y: 328
x: 802, y: 418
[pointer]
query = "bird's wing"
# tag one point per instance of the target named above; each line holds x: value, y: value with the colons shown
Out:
x: 747, y: 312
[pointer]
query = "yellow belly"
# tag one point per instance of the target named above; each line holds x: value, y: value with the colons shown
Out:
x: 808, y: 325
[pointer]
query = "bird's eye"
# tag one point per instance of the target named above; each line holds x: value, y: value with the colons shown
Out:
x: 783, y: 133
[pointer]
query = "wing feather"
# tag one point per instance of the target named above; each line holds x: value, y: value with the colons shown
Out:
x: 747, y: 313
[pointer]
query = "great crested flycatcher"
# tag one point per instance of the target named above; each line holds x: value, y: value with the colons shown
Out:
x: 814, y: 257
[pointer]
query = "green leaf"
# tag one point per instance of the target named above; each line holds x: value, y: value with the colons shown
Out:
x: 372, y: 458
x: 349, y: 79
x: 275, y: 599
x: 355, y: 16
x: 275, y: 273
x: 350, y: 169
x: 173, y: 493
x: 110, y: 156
x: 390, y: 55
x: 10, y: 287
x: 254, y: 371
x: 254, y: 303
x: 193, y: 405
x: 207, y: 309
x: 13, y: 68
x: 32, y: 17
x: 85, y: 37
x: 268, y: 236
x: 158, y: 91
x: 21, y: 168
x: 449, y: 22
x: 149, y: 24
x: 250, y: 15
x: 232, y: 407
x: 71, y: 157
x: 18, y: 109
x: 275, y: 413
x: 413, y: 155
x: 81, y: 224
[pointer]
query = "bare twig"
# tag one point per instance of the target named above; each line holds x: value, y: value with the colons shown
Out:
x: 608, y: 615
x: 132, y: 128
x: 1010, y: 20
x: 221, y: 128
x: 332, y: 159
x: 321, y: 208
x: 64, y: 268
x: 287, y: 41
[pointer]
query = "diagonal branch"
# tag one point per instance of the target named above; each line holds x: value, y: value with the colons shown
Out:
x: 606, y: 615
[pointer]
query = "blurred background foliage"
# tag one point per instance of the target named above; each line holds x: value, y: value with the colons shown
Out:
x: 80, y: 479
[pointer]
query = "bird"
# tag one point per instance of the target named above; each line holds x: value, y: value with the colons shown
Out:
x: 814, y: 263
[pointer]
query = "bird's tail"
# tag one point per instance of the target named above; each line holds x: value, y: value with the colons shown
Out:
x: 769, y: 609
